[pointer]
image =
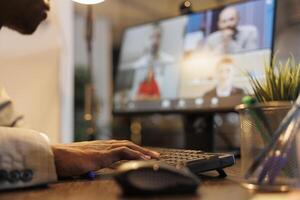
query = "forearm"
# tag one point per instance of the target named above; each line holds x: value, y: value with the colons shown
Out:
x: 71, y: 161
x: 79, y: 158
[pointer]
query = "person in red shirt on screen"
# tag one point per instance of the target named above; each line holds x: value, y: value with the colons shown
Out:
x: 148, y: 88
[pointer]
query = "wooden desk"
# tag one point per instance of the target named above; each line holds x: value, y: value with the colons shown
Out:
x: 106, y: 188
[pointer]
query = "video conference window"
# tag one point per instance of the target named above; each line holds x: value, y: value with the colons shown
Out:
x: 202, y: 55
x: 221, y: 45
x: 154, y: 52
x: 233, y: 29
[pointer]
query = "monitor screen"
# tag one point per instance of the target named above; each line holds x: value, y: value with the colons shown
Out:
x: 195, y: 62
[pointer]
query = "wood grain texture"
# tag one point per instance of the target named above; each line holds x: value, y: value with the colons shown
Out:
x: 105, y: 188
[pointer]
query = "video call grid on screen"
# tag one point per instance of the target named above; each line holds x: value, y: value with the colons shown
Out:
x: 202, y: 56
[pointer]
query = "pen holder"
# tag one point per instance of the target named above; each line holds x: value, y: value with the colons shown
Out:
x: 253, y: 140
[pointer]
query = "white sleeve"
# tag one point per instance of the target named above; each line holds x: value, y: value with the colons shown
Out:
x: 8, y: 115
x: 26, y: 159
x: 252, y: 38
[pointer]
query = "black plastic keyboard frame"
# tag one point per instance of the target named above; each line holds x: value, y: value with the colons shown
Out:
x: 216, y: 161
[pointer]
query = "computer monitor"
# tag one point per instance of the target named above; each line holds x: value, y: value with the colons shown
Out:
x: 195, y: 62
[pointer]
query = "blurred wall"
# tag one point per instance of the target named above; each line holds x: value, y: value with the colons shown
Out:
x: 31, y: 70
x: 66, y: 31
x: 288, y: 29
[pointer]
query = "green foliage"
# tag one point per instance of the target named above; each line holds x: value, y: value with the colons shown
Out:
x: 81, y: 78
x: 281, y: 81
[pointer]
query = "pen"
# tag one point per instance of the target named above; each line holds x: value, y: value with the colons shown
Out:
x: 267, y: 165
x: 90, y: 175
x: 283, y: 125
x: 278, y: 157
x: 278, y: 163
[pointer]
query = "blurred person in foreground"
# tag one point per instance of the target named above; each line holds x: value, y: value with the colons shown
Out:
x: 26, y: 156
x: 232, y: 37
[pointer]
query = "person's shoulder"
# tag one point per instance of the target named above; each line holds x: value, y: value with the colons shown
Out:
x: 165, y: 57
x: 214, y: 39
x: 214, y: 36
x: 3, y: 95
x: 247, y: 29
x: 1, y: 88
x: 141, y: 61
x: 210, y: 94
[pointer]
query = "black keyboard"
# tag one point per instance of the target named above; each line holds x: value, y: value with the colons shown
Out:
x: 197, y: 161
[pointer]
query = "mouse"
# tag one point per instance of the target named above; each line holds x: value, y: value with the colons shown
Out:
x: 154, y: 177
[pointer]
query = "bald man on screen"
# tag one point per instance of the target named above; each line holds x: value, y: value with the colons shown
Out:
x: 232, y: 37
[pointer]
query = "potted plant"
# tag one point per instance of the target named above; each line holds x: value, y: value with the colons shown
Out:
x: 282, y: 82
x: 274, y: 93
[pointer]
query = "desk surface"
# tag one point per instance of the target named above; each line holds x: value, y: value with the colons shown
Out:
x: 105, y: 188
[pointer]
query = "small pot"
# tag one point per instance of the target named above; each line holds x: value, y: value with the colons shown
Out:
x: 252, y: 142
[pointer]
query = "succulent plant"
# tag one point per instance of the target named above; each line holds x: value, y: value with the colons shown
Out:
x: 281, y: 81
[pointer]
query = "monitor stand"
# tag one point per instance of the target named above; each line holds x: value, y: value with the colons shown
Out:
x: 199, y: 131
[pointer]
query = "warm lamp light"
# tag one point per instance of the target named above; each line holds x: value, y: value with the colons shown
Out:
x: 89, y: 2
